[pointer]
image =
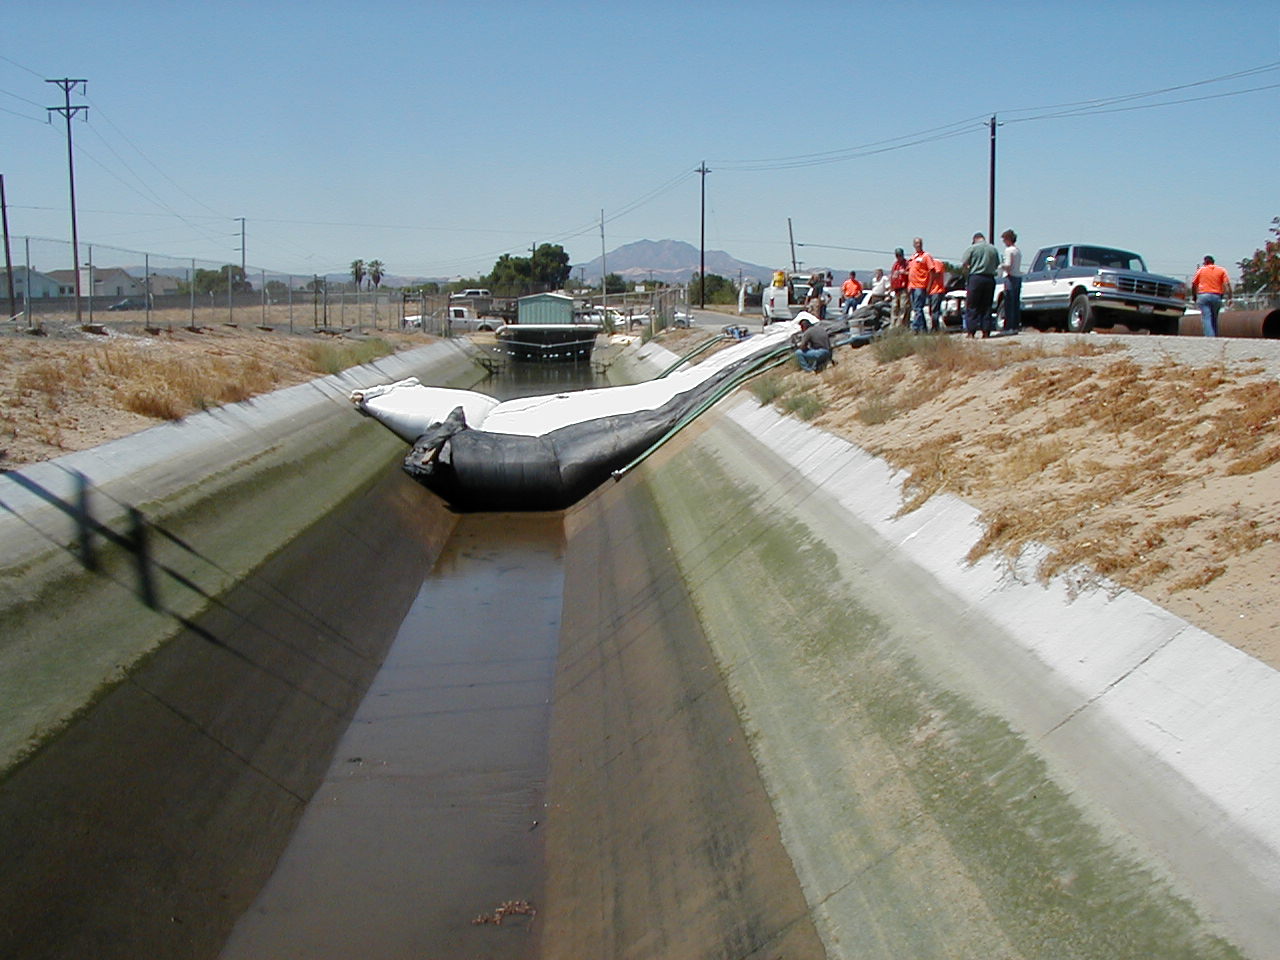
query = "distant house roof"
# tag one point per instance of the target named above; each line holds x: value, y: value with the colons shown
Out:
x: 20, y: 275
x: 546, y: 296
x: 545, y: 308
x: 100, y: 275
x: 163, y: 283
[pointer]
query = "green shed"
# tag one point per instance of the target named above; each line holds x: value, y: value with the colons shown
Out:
x: 545, y: 308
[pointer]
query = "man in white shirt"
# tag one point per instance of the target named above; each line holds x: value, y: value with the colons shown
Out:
x: 879, y: 287
x: 1011, y: 270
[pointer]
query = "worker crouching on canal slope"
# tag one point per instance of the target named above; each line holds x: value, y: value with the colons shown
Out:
x: 813, y: 345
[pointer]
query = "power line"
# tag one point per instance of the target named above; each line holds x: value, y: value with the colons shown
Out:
x: 39, y: 76
x: 10, y: 93
x: 106, y: 169
x: 1107, y: 101
x: 1142, y: 106
x: 153, y: 164
x: 944, y: 132
x: 968, y: 125
x: 25, y: 116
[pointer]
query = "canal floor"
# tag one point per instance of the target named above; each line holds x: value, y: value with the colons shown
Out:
x: 428, y: 817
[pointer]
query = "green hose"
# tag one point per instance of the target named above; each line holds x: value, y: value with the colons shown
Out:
x: 700, y: 348
x: 773, y: 358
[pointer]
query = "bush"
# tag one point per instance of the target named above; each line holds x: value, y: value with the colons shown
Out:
x: 767, y: 389
x: 804, y: 405
x: 336, y: 357
x: 897, y: 344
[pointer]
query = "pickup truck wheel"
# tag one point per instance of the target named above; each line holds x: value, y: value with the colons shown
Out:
x: 1079, y: 315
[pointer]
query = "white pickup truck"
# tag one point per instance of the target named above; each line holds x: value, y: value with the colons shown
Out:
x: 1077, y: 287
x: 1081, y: 286
x: 784, y: 303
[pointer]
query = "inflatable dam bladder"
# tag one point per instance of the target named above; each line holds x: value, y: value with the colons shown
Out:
x: 547, y: 452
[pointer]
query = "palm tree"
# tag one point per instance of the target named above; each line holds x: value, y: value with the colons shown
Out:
x: 376, y: 270
x: 357, y: 272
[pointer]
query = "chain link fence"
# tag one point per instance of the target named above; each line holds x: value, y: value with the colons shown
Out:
x: 118, y: 286
x: 122, y: 286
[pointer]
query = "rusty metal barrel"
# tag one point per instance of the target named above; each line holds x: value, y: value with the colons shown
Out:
x: 1263, y: 324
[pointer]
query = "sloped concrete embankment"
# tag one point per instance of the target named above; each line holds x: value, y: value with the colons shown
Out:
x: 104, y: 552
x: 961, y: 761
x: 174, y: 712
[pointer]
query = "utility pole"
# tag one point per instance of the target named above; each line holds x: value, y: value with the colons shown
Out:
x: 8, y: 260
x: 243, y: 268
x: 67, y: 111
x: 991, y: 190
x: 702, y: 243
x: 792, y: 237
x: 604, y: 278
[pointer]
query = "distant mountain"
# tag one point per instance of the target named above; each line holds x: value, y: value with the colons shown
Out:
x: 671, y: 260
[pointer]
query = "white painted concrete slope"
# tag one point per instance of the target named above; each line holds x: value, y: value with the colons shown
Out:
x: 1175, y: 733
x: 200, y: 449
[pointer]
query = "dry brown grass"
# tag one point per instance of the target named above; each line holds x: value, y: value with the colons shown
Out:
x: 1160, y: 477
x: 60, y: 394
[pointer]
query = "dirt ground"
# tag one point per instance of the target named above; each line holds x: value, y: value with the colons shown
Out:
x: 1145, y: 462
x: 1148, y: 462
x: 69, y: 389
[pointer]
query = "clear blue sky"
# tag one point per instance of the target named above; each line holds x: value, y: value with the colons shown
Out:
x: 436, y: 136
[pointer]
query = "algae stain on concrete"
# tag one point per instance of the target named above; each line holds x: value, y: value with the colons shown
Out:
x: 920, y: 824
x: 70, y: 634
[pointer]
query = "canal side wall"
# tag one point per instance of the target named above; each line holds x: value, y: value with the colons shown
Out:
x: 963, y: 761
x: 107, y: 552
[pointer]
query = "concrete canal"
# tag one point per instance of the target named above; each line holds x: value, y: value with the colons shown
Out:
x: 722, y: 708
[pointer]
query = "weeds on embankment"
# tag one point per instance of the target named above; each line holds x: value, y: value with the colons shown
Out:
x: 1151, y: 475
x: 65, y: 394
x: 165, y: 386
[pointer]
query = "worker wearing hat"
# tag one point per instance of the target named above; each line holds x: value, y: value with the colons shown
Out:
x: 898, y: 275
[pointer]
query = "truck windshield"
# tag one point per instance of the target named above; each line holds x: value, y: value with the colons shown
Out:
x: 1106, y: 257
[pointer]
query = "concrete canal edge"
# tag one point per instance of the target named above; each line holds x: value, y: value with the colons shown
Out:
x: 961, y: 761
x: 107, y: 552
x: 787, y: 722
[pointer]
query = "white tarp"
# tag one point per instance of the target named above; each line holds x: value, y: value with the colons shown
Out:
x: 409, y: 408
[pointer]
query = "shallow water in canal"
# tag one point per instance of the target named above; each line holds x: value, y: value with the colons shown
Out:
x: 428, y: 817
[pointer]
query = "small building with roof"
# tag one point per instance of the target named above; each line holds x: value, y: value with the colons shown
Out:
x: 42, y: 285
x: 544, y: 308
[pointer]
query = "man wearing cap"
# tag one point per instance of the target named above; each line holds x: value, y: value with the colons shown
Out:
x: 1209, y: 286
x: 979, y: 263
x: 920, y: 269
x: 898, y: 288
x: 813, y: 345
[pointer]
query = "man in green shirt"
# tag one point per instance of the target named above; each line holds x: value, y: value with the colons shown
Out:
x: 980, y: 263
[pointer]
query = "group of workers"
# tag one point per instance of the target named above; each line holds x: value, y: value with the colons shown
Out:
x: 916, y: 284
x: 919, y: 281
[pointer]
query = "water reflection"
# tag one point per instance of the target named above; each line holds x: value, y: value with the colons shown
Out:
x: 428, y: 819
x: 532, y: 379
